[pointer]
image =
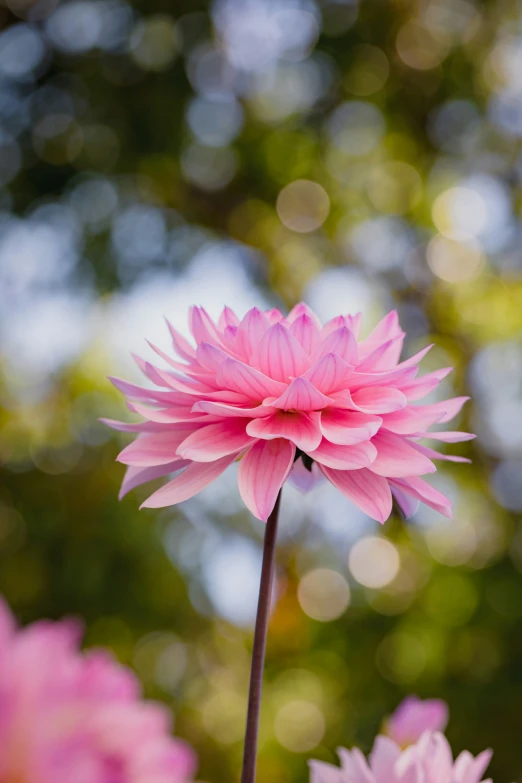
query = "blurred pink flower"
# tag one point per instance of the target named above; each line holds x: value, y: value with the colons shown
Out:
x: 68, y: 717
x: 283, y: 394
x: 429, y: 759
x: 413, y: 717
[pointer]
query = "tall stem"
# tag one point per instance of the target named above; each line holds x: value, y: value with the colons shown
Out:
x: 258, y: 653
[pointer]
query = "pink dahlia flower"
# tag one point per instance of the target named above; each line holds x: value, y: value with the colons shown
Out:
x: 288, y: 396
x: 413, y: 717
x: 429, y: 760
x: 68, y: 717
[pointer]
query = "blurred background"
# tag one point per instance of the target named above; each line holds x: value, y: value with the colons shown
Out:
x: 258, y: 152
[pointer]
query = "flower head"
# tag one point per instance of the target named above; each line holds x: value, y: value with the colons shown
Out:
x: 413, y: 717
x: 289, y: 397
x: 67, y: 716
x: 429, y: 759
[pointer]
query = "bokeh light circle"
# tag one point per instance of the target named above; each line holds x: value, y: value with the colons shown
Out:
x: 299, y: 726
x: 303, y: 206
x: 374, y: 561
x: 323, y: 594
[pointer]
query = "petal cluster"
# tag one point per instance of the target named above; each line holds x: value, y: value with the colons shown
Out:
x: 289, y: 397
x: 429, y: 759
x: 67, y: 716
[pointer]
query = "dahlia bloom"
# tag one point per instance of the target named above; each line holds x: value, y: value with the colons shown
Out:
x: 68, y: 717
x: 413, y: 717
x: 289, y: 398
x: 428, y: 760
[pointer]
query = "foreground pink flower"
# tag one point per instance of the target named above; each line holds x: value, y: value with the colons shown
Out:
x: 429, y: 760
x: 72, y: 718
x: 413, y: 717
x: 290, y: 397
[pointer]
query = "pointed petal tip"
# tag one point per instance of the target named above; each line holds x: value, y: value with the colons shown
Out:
x: 151, y: 503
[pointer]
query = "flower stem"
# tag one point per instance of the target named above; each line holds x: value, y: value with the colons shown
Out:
x: 248, y: 774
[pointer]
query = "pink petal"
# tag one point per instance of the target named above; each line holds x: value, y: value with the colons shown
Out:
x: 420, y: 387
x: 398, y: 458
x: 450, y: 407
x: 215, y: 440
x: 320, y: 772
x: 414, y: 716
x: 329, y: 373
x: 341, y: 342
x: 156, y: 448
x: 337, y: 323
x: 371, y: 493
x: 202, y: 327
x: 279, y: 355
x: 226, y: 396
x: 385, y: 753
x: 140, y: 426
x: 135, y: 476
x: 416, y: 358
x: 232, y: 411
x: 229, y: 341
x: 447, y: 437
x: 382, y: 357
x: 306, y: 332
x: 274, y: 316
x: 303, y: 309
x: 387, y: 329
x: 421, y: 490
x: 250, y: 332
x: 300, y: 428
x: 262, y: 472
x: 245, y: 380
x: 179, y: 366
x: 354, y: 323
x: 187, y: 484
x: 354, y: 763
x: 303, y: 479
x: 418, y: 418
x: 175, y: 415
x: 462, y: 765
x: 194, y: 386
x: 378, y: 399
x: 432, y: 454
x: 348, y: 427
x: 395, y: 377
x: 471, y: 771
x: 412, y: 419
x: 406, y: 503
x: 210, y: 356
x: 151, y: 372
x: 182, y: 347
x: 227, y: 318
x: 134, y: 392
x: 301, y: 395
x: 436, y: 753
x: 361, y: 455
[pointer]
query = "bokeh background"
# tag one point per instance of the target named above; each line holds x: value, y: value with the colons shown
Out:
x: 359, y: 156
